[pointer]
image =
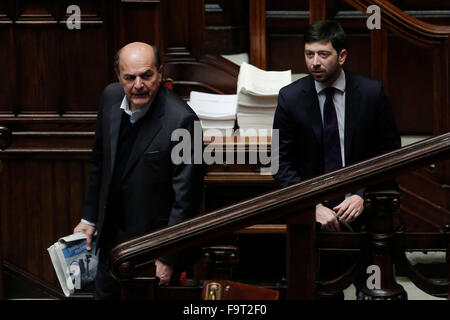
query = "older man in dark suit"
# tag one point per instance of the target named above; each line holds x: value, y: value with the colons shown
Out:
x: 134, y: 185
x: 331, y: 119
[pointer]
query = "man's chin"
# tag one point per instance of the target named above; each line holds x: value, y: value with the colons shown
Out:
x: 320, y: 78
x: 139, y: 103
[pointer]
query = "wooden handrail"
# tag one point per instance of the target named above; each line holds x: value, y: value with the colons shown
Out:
x: 284, y: 202
x: 404, y: 24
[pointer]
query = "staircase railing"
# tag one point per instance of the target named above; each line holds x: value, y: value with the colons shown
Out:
x: 132, y: 261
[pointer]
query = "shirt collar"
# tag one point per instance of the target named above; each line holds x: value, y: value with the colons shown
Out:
x: 338, y: 84
x: 137, y: 114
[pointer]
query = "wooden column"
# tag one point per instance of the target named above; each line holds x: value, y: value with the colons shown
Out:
x: 301, y: 255
x: 380, y: 206
x: 257, y: 30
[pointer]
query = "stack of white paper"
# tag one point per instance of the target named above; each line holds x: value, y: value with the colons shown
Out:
x: 257, y: 94
x: 215, y: 111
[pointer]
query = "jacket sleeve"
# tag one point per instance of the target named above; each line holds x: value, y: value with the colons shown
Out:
x: 285, y: 152
x: 187, y: 182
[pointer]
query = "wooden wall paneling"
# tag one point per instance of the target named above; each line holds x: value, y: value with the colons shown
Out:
x: 441, y: 68
x: 4, y: 207
x: 15, y: 249
x: 176, y: 38
x: 286, y: 52
x: 359, y: 54
x: 87, y: 58
x: 379, y: 55
x: 37, y: 54
x: 49, y: 227
x: 33, y: 213
x: 317, y: 10
x: 77, y: 180
x: 410, y: 87
x: 197, y: 27
x: 142, y: 21
x: 441, y: 98
x: 226, y: 27
x: 7, y: 62
x: 285, y: 45
x: 42, y: 202
x: 184, y: 33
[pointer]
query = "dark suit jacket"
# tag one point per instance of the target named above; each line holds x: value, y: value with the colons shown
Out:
x: 155, y: 191
x: 369, y: 126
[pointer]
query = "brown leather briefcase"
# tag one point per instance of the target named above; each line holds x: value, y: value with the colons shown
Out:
x: 231, y: 290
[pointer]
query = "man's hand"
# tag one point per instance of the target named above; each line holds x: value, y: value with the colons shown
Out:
x: 327, y: 218
x: 163, y: 272
x: 350, y: 208
x: 88, y: 231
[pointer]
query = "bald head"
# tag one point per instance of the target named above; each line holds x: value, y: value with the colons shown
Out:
x: 139, y: 72
x: 135, y: 48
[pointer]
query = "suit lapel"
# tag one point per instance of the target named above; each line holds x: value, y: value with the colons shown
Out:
x: 115, y: 119
x: 352, y: 106
x: 313, y: 110
x: 150, y: 127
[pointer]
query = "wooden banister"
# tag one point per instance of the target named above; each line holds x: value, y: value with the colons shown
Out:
x: 412, y: 29
x: 291, y: 202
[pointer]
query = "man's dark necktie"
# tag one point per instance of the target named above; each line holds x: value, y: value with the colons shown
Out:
x: 331, y: 140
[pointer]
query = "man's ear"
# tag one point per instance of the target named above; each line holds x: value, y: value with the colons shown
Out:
x: 342, y: 56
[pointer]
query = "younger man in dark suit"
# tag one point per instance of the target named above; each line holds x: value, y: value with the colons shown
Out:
x: 331, y: 119
x: 134, y: 185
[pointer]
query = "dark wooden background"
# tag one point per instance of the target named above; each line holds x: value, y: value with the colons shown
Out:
x: 52, y: 78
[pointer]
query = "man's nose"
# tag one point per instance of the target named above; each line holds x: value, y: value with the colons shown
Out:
x: 138, y: 83
x: 316, y: 60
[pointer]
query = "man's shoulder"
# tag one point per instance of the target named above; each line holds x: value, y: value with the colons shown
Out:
x: 113, y: 92
x: 362, y: 80
x: 301, y: 83
x: 175, y: 106
x: 297, y: 87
